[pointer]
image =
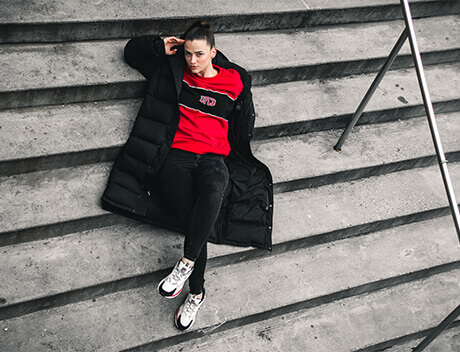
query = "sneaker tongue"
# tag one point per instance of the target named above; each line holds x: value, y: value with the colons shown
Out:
x: 183, y: 267
x: 195, y: 299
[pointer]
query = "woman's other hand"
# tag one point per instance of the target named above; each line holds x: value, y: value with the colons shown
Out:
x: 171, y: 42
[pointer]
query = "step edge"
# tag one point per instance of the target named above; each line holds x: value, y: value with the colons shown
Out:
x: 310, y: 17
x: 12, y: 236
x: 291, y: 308
x: 405, y: 339
x: 360, y: 173
x: 132, y: 282
x: 136, y: 88
x: 29, y: 164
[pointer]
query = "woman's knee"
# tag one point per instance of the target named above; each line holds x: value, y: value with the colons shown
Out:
x: 213, y: 177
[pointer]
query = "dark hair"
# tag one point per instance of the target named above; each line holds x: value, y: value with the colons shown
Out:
x: 200, y: 30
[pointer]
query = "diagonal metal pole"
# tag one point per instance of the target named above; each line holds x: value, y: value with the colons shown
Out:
x: 430, y: 114
x: 372, y: 89
x: 439, y: 329
x: 410, y: 32
x: 440, y: 154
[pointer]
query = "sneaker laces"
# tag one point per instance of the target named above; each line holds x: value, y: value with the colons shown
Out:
x: 192, y: 305
x: 176, y: 276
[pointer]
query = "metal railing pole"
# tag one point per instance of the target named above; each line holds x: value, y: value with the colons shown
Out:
x: 372, y: 89
x: 438, y: 330
x: 430, y: 114
x: 440, y: 154
x: 410, y: 32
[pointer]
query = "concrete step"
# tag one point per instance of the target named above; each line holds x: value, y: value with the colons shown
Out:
x: 309, y: 161
x: 44, y: 74
x: 90, y: 275
x: 58, y: 201
x: 353, y: 267
x: 324, y: 214
x: 315, y: 105
x: 353, y: 324
x: 83, y: 20
x: 40, y: 138
x: 448, y: 341
x: 89, y: 264
x: 44, y: 138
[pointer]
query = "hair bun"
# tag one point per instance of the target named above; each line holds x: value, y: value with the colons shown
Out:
x: 200, y: 30
x: 203, y: 24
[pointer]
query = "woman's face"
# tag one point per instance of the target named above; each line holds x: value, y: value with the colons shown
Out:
x: 199, y: 55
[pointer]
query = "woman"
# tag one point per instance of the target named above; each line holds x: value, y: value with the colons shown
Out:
x: 187, y: 164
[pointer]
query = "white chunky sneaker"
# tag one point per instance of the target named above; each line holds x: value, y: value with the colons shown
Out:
x: 171, y: 285
x: 185, y: 315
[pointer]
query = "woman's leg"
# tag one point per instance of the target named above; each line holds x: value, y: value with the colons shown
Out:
x: 196, y: 280
x: 211, y: 179
x: 176, y: 182
x: 178, y: 192
x: 194, y: 185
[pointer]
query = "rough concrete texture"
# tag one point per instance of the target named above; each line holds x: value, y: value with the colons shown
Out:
x: 336, y: 43
x: 345, y: 325
x: 84, y: 259
x: 34, y: 200
x: 342, y: 205
x: 314, y: 211
x: 58, y: 27
x: 138, y: 316
x: 33, y: 132
x: 448, y: 341
x: 27, y: 133
x: 48, y: 197
x: 314, y: 273
x: 129, y: 250
x: 312, y: 154
x: 99, y: 10
x: 34, y: 66
x: 310, y: 100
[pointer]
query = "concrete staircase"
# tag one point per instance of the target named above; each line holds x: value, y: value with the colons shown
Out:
x: 365, y: 254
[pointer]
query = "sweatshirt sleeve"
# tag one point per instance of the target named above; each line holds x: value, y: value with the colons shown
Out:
x: 142, y: 53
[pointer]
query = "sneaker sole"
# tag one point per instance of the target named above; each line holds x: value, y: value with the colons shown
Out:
x: 165, y: 296
x: 177, y: 326
x: 193, y: 321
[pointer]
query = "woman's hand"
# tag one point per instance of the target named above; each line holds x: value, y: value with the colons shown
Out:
x: 171, y: 42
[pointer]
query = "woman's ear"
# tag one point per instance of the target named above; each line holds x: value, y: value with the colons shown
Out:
x: 213, y: 52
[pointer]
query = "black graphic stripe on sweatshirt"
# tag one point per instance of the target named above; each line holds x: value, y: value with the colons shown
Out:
x: 206, y: 101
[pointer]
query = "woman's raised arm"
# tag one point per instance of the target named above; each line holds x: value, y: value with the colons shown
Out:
x: 142, y: 53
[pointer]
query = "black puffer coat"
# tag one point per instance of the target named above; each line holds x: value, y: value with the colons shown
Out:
x: 247, y: 211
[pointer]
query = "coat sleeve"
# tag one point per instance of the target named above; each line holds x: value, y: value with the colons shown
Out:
x: 142, y: 53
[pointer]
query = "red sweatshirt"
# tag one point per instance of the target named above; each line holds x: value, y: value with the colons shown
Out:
x: 204, y: 104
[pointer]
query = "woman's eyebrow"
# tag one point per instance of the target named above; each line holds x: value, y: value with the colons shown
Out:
x: 196, y: 52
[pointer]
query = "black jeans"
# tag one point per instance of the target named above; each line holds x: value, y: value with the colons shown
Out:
x: 193, y: 186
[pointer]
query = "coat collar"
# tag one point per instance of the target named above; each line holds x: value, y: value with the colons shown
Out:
x: 222, y: 61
